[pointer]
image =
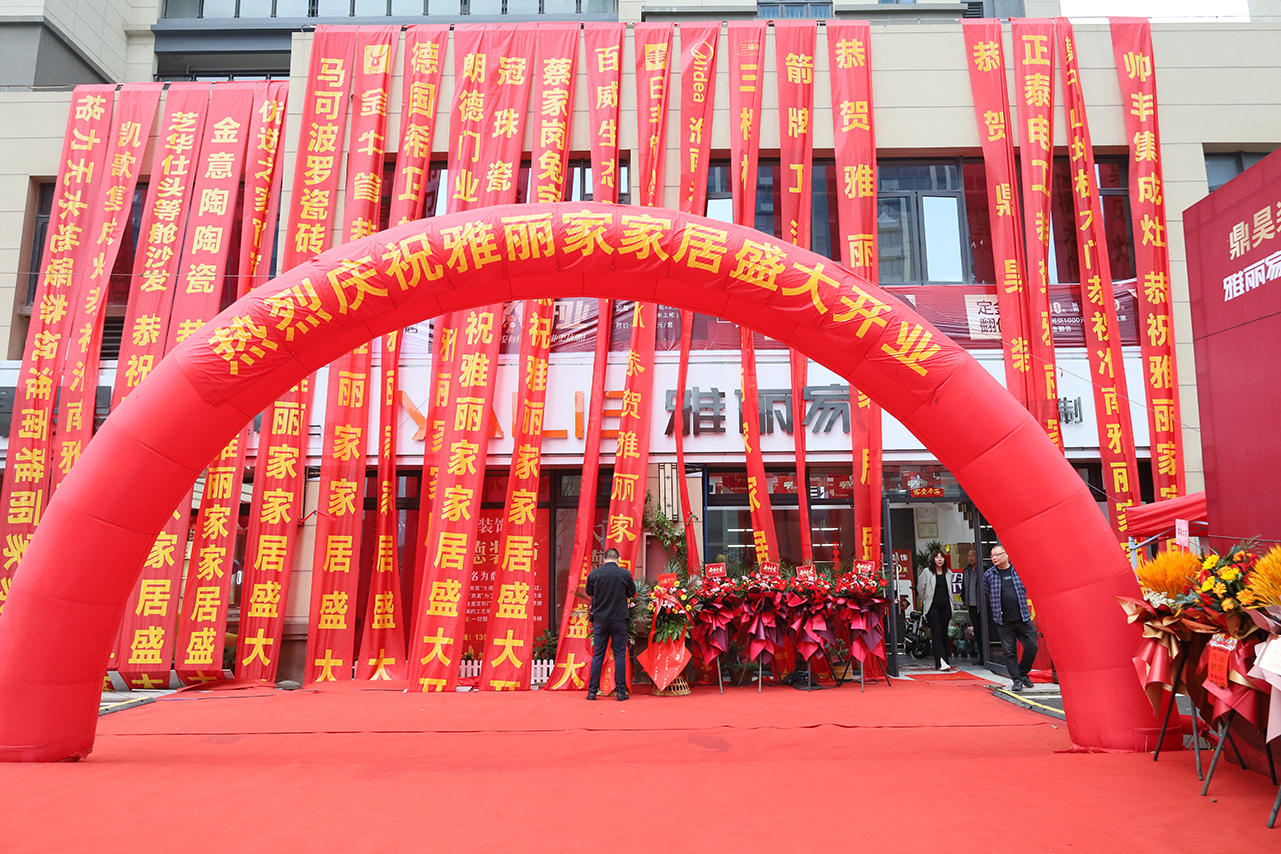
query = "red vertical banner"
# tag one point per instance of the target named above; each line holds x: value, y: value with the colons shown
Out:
x: 794, y: 51
x: 555, y: 76
x: 510, y: 79
x: 206, y: 598
x: 854, y: 129
x: 263, y: 174
x: 747, y: 71
x: 794, y: 43
x: 1103, y: 340
x: 424, y: 61
x: 164, y: 221
x: 1034, y: 85
x: 149, y: 633
x: 280, y: 467
x: 65, y: 265
x: 331, y: 625
x: 699, y: 43
x: 573, y: 648
x: 1136, y: 67
x: 854, y: 126
x: 986, y: 59
x: 467, y: 118
x: 452, y: 529
x: 653, y: 46
x: 130, y: 131
x: 604, y: 43
x: 510, y: 640
x: 198, y: 654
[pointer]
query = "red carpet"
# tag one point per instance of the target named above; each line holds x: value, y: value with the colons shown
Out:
x: 922, y: 765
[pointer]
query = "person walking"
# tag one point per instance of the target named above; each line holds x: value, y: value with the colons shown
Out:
x: 1007, y: 602
x: 971, y: 597
x: 609, y: 586
x: 936, y: 599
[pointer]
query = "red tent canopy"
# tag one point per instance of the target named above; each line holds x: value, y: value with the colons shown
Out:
x: 1152, y: 519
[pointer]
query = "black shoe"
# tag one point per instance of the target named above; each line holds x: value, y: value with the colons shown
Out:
x: 623, y: 695
x: 1017, y: 688
x: 591, y: 695
x: 1027, y: 683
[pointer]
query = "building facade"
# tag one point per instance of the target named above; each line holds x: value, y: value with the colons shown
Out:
x: 1216, y: 118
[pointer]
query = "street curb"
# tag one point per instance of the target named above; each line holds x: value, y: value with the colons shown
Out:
x: 1019, y: 700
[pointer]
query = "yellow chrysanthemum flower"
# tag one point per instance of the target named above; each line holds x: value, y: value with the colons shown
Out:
x: 1232, y: 573
x: 1220, y: 588
x: 1207, y: 585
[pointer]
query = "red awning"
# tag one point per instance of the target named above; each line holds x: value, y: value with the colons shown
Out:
x: 1157, y: 518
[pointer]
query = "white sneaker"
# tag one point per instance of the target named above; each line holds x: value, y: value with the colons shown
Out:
x: 945, y: 667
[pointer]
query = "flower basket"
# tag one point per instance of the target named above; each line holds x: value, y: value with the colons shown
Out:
x: 677, y: 688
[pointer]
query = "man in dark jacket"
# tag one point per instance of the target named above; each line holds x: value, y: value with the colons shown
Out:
x: 1007, y: 600
x: 610, y: 586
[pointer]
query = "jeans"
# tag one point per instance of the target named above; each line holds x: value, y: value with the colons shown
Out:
x: 1024, y: 633
x: 613, y: 634
x: 938, y: 619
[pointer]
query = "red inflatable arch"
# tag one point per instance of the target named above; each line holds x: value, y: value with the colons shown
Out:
x: 67, y: 600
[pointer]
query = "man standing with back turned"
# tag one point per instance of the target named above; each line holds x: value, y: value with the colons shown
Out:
x: 1008, y: 600
x: 610, y: 586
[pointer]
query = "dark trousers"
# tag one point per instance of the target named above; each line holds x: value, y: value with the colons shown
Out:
x: 938, y: 619
x: 1025, y: 634
x: 976, y: 620
x: 615, y: 635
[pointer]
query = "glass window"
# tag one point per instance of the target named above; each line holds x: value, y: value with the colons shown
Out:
x: 919, y: 218
x: 255, y: 8
x: 371, y: 8
x: 1222, y: 168
x: 894, y: 233
x: 333, y: 8
x: 1112, y: 177
x: 292, y: 8
x: 823, y: 225
x: 942, y: 233
x: 408, y: 7
x: 219, y: 9
x: 182, y: 9
x: 39, y: 236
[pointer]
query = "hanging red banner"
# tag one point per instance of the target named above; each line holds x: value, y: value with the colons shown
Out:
x: 698, y: 90
x: 865, y: 435
x: 510, y: 79
x: 799, y: 365
x: 986, y: 59
x: 467, y: 118
x: 452, y: 528
x: 653, y: 46
x: 164, y: 221
x: 280, y: 466
x: 151, y: 616
x: 573, y: 648
x: 1103, y: 341
x: 424, y: 60
x: 64, y: 266
x: 794, y: 43
x: 1034, y: 83
x: 557, y: 72
x: 331, y: 631
x: 604, y: 44
x: 511, y: 613
x: 1136, y: 68
x: 854, y: 130
x: 130, y: 132
x: 206, y: 597
x: 263, y: 175
x: 746, y: 73
x: 764, y: 536
x: 746, y: 64
x: 631, y: 458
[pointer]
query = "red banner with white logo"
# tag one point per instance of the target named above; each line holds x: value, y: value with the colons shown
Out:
x: 331, y: 625
x: 263, y: 174
x: 130, y: 132
x: 452, y: 529
x: 164, y: 222
x: 1102, y: 337
x: 510, y: 641
x: 151, y: 616
x: 64, y: 268
x: 1136, y: 68
x: 604, y: 43
x: 854, y: 129
x: 424, y: 61
x: 653, y: 46
x: 280, y: 467
x: 986, y: 60
x: 573, y: 647
x: 556, y: 74
x: 794, y: 43
x: 1034, y: 84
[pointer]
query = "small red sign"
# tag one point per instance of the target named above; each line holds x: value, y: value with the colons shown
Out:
x: 1220, y: 649
x: 865, y: 565
x: 667, y: 579
x: 927, y: 492
x: 807, y: 572
x: 714, y: 570
x: 769, y: 567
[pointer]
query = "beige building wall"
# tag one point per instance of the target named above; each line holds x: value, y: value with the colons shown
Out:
x: 96, y: 28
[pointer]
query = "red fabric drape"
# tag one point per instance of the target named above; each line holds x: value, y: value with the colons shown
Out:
x: 1136, y: 68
